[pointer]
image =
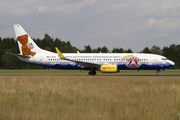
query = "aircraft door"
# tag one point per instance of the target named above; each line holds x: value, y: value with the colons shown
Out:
x: 154, y: 60
x: 41, y: 60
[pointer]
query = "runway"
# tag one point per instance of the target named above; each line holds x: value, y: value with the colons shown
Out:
x: 103, y: 75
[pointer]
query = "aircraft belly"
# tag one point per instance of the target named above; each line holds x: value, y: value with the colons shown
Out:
x: 140, y: 67
x: 120, y: 66
x: 63, y: 65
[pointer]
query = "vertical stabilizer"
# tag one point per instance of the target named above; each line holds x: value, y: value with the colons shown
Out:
x: 26, y: 45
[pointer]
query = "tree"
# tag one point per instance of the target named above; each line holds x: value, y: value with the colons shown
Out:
x: 98, y: 50
x: 146, y: 50
x: 38, y: 42
x: 166, y: 52
x: 173, y: 53
x: 56, y: 43
x: 87, y: 49
x: 128, y: 51
x: 1, y: 51
x: 156, y: 50
x: 118, y: 50
x: 47, y: 41
x: 104, y: 49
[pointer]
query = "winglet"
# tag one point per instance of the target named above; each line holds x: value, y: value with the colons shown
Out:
x: 60, y: 54
x: 78, y: 52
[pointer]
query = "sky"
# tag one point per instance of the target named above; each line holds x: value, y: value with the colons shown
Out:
x: 133, y: 24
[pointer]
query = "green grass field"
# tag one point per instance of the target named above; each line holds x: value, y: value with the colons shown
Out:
x: 74, y: 95
x: 77, y: 72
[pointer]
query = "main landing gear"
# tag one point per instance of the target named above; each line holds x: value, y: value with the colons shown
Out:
x: 93, y: 72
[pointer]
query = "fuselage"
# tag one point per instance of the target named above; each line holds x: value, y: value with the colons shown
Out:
x: 124, y: 61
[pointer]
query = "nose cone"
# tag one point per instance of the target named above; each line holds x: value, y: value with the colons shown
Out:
x: 171, y: 62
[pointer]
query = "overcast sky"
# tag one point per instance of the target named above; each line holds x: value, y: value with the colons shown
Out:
x: 134, y: 24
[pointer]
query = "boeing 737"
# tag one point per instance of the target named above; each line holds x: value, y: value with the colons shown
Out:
x: 103, y: 62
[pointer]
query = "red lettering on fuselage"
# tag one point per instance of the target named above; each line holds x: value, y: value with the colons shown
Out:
x: 104, y: 68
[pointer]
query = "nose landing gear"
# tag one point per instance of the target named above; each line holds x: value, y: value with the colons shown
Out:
x: 157, y: 73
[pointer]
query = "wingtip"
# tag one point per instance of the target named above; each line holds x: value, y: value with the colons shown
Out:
x: 59, y: 53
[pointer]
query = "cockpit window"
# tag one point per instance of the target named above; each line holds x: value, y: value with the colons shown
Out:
x: 164, y: 58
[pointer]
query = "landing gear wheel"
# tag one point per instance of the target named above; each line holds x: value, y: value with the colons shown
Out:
x: 92, y: 72
x: 157, y: 73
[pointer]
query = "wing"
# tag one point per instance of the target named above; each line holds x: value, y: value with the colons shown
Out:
x: 80, y: 63
x: 86, y: 64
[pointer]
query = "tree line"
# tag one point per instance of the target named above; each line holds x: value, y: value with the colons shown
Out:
x: 48, y: 43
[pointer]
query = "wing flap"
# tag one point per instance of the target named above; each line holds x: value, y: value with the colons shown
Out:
x: 86, y: 64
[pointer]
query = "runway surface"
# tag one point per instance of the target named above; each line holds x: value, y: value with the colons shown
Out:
x: 104, y: 75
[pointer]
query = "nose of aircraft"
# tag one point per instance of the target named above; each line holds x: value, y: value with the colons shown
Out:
x: 171, y: 62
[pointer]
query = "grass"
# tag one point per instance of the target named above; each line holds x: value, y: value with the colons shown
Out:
x: 89, y: 98
x: 59, y: 95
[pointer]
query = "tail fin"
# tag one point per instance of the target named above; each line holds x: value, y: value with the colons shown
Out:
x: 26, y: 45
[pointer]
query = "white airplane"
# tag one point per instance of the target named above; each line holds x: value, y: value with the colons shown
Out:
x: 104, y: 62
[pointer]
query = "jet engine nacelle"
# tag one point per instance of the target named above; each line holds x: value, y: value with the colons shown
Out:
x: 109, y: 69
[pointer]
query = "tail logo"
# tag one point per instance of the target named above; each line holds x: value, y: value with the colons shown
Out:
x: 30, y: 46
x: 26, y: 47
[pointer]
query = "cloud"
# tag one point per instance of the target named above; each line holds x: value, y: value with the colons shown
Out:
x: 20, y: 11
x: 40, y: 8
x: 167, y: 24
x: 16, y: 8
x: 72, y: 8
x: 151, y: 22
x: 115, y: 23
x: 69, y: 8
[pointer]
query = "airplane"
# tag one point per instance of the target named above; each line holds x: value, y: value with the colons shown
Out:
x: 103, y: 62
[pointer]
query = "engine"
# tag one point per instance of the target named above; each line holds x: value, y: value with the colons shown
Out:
x: 109, y: 68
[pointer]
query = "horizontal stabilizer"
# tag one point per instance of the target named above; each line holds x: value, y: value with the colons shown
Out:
x: 17, y: 55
